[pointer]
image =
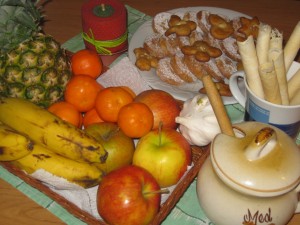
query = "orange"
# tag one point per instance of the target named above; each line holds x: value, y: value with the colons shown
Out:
x: 91, y: 117
x: 66, y: 112
x: 128, y: 89
x: 86, y: 62
x: 110, y: 100
x: 135, y: 119
x: 81, y: 91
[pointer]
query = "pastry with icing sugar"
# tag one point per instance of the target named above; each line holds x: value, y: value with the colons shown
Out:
x: 170, y: 46
x: 181, y: 69
x: 166, y: 73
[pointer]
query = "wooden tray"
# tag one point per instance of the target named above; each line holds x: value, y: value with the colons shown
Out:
x: 199, y: 154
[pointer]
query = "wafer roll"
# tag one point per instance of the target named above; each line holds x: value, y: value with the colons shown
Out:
x: 270, y: 83
x: 217, y: 105
x: 295, y: 100
x: 263, y: 42
x: 250, y: 63
x: 276, y: 56
x: 294, y: 84
x: 276, y: 39
x: 292, y: 47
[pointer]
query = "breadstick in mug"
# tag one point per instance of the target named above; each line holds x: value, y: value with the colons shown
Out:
x: 294, y: 84
x: 270, y: 83
x: 263, y: 42
x: 292, y: 46
x: 250, y: 63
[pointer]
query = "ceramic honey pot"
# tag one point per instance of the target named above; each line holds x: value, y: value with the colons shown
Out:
x: 252, y: 178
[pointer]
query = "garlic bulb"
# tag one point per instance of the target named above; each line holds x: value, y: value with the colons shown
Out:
x: 197, y: 121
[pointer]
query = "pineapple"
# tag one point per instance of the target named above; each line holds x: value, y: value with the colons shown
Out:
x: 32, y: 64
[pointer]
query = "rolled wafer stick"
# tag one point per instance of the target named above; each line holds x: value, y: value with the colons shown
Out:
x: 276, y: 39
x: 295, y: 100
x: 263, y: 42
x: 217, y: 105
x: 292, y: 47
x: 294, y: 84
x: 276, y: 55
x: 270, y: 83
x: 250, y: 63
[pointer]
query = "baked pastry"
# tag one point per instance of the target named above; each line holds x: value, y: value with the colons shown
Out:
x: 160, y: 22
x: 225, y: 40
x: 226, y: 65
x: 222, y: 88
x: 180, y: 26
x: 195, y: 66
x: 161, y: 46
x: 166, y: 73
x: 181, y: 69
x: 144, y: 61
x: 188, y: 45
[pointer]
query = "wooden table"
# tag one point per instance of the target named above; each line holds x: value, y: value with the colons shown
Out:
x: 63, y: 21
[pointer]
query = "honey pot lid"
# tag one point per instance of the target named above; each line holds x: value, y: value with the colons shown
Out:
x: 260, y: 160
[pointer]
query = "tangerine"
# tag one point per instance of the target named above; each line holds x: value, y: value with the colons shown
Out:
x: 128, y: 89
x: 81, y: 91
x: 86, y: 62
x: 110, y: 100
x: 91, y: 117
x: 135, y: 119
x: 67, y: 112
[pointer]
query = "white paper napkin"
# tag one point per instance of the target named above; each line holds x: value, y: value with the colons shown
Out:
x: 124, y: 73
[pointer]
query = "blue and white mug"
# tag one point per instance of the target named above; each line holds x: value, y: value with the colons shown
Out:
x: 286, y: 118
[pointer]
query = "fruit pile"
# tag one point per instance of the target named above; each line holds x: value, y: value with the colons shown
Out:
x: 56, y: 117
x: 125, y: 142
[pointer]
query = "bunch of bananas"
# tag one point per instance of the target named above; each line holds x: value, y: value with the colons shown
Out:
x: 32, y: 138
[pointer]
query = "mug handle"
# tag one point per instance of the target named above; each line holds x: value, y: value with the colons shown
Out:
x: 234, y: 87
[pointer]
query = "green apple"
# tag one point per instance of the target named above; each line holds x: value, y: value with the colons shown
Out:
x: 165, y: 153
x: 120, y: 147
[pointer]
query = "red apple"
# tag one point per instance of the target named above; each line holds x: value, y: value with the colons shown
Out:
x: 119, y: 146
x: 164, y: 106
x: 128, y: 196
x: 165, y: 153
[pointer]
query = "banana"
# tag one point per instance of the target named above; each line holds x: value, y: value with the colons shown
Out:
x: 81, y: 173
x: 50, y: 131
x: 13, y: 145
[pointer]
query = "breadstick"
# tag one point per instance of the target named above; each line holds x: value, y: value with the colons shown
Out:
x: 263, y: 42
x: 294, y: 84
x: 276, y: 55
x: 292, y: 46
x: 217, y: 105
x: 270, y: 83
x: 250, y: 63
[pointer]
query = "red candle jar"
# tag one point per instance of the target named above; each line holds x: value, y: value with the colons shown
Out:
x: 104, y: 24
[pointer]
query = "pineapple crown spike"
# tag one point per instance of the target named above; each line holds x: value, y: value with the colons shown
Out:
x: 19, y: 21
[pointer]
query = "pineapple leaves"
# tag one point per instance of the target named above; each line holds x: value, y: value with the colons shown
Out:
x: 19, y: 20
